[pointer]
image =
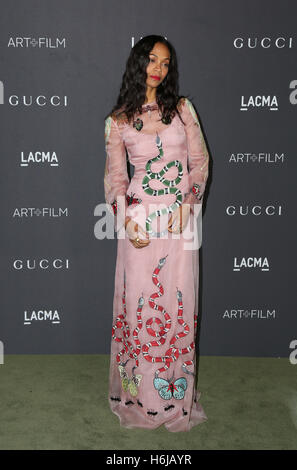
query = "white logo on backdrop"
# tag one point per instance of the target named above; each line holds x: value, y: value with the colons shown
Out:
x: 249, y: 314
x: 42, y: 264
x: 259, y: 102
x: 260, y: 157
x: 254, y: 210
x: 49, y: 212
x: 263, y: 42
x: 133, y: 40
x: 48, y: 316
x: 40, y: 100
x: 39, y: 43
x: 250, y: 263
x: 39, y: 158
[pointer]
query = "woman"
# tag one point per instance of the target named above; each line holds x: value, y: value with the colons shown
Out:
x: 152, y: 364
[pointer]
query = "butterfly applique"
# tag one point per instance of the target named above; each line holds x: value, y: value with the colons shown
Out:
x: 169, y: 388
x: 130, y: 383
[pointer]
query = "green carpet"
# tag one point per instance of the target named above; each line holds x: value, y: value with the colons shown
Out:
x: 60, y: 402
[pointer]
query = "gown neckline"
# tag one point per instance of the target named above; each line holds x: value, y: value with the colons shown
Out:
x: 149, y: 104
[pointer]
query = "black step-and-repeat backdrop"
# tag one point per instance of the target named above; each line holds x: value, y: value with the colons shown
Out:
x: 61, y: 68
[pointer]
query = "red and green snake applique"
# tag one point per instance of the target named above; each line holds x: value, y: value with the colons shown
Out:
x: 128, y: 383
x: 170, y: 188
x: 168, y: 388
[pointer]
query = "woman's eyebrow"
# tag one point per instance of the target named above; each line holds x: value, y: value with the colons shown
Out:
x: 157, y: 56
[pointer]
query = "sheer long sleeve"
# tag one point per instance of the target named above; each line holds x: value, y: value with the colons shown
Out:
x: 198, y: 157
x: 116, y: 179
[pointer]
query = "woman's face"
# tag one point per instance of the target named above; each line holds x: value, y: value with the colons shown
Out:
x: 158, y: 65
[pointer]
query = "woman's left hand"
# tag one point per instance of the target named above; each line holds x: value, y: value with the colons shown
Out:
x: 179, y: 219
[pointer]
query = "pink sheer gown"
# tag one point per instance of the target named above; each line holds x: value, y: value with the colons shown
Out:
x: 152, y: 377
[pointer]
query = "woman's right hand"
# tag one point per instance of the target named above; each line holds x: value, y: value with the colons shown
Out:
x: 133, y: 230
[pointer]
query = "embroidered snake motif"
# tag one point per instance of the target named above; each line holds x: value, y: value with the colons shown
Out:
x: 172, y: 353
x: 131, y: 383
x: 170, y: 189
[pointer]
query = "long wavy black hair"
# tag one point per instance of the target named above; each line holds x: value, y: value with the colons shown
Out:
x: 133, y: 89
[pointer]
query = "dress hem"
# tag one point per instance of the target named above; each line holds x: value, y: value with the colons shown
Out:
x: 174, y: 424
